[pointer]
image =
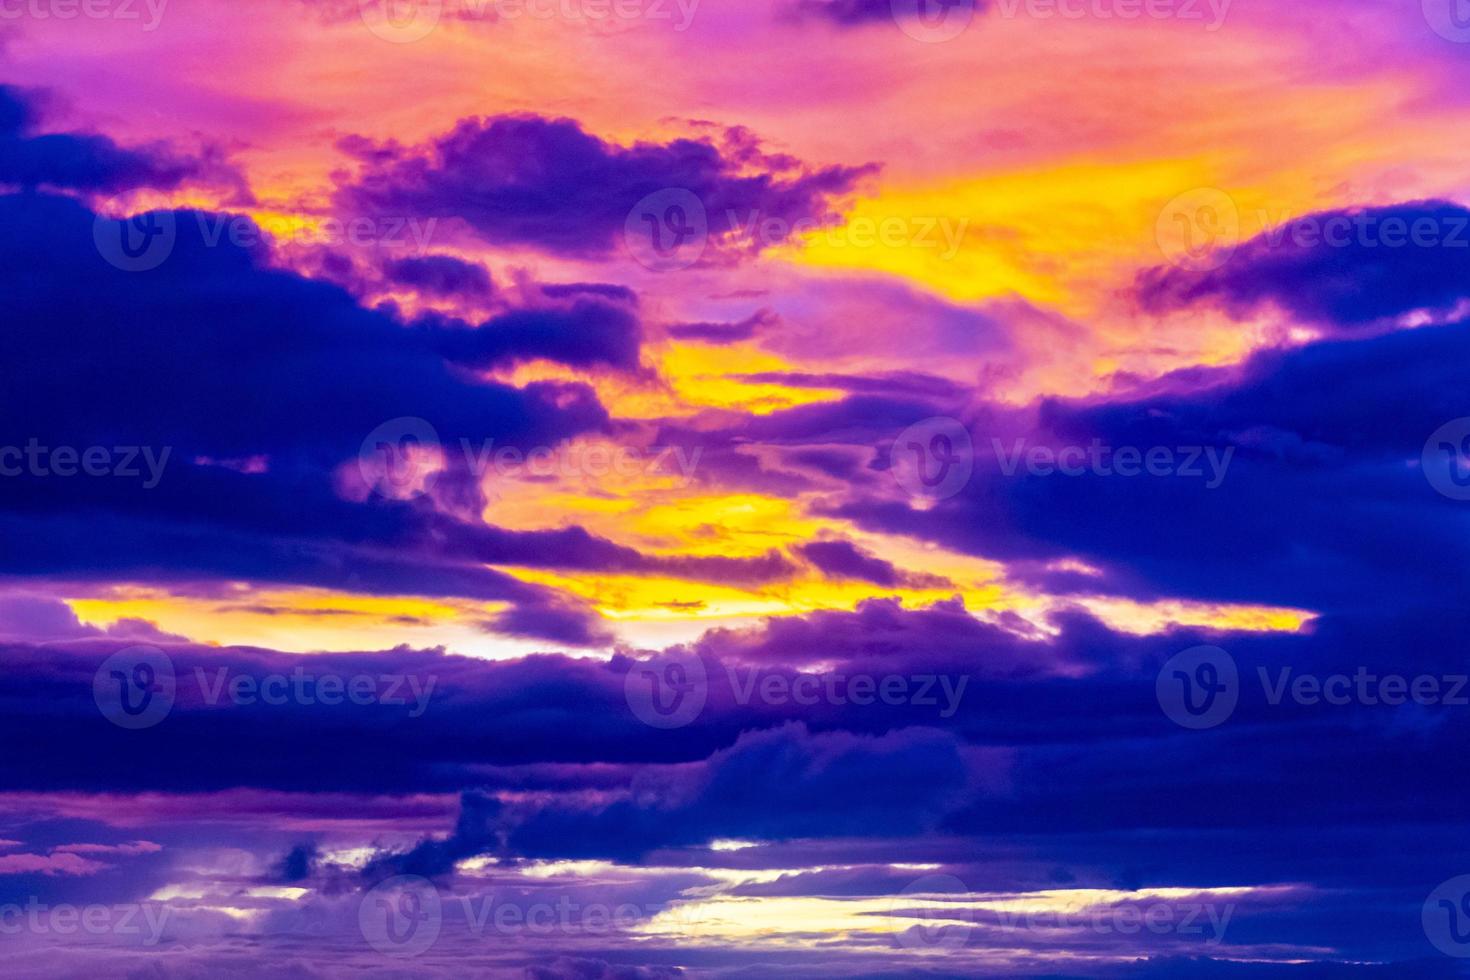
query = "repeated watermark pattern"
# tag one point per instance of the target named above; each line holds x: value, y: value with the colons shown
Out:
x: 671, y: 229
x: 146, y: 15
x: 137, y: 688
x: 943, y: 929
x: 668, y: 690
x: 1210, y: 14
x: 942, y: 692
x: 1201, y: 687
x: 937, y: 21
x: 143, y: 242
x: 144, y: 920
x: 404, y: 916
x: 945, y: 913
x: 940, y: 233
x: 329, y: 689
x: 407, y: 21
x: 403, y: 457
x: 936, y: 459
x: 671, y: 689
x: 1206, y: 921
x: 1208, y: 463
x: 933, y: 21
x: 1446, y: 917
x: 1445, y: 460
x: 1450, y: 19
x: 35, y: 459
x: 1201, y: 230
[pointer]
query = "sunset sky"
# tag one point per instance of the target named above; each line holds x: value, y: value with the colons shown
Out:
x: 636, y: 489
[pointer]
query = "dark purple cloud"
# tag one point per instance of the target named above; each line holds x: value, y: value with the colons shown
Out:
x: 1059, y: 770
x: 726, y: 333
x: 855, y: 13
x: 1257, y: 450
x: 1341, y: 270
x: 529, y: 180
x: 561, y: 622
x: 845, y: 560
x: 582, y: 333
x: 90, y: 162
x: 440, y: 275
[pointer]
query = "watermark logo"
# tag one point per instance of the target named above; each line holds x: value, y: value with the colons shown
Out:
x: 1205, y: 920
x: 145, y: 241
x: 937, y: 232
x: 403, y: 457
x: 134, y: 688
x: 943, y: 692
x: 401, y: 916
x: 933, y: 21
x: 34, y: 459
x: 1185, y: 10
x: 669, y: 690
x: 1199, y: 230
x: 401, y: 21
x: 136, y: 244
x: 1364, y: 687
x: 1446, y: 459
x: 330, y: 690
x: 120, y: 10
x: 1205, y: 463
x: 406, y: 21
x: 1199, y: 688
x: 1450, y: 19
x: 400, y: 459
x: 942, y: 929
x: 144, y: 921
x: 667, y: 230
x: 933, y: 458
x: 1446, y: 917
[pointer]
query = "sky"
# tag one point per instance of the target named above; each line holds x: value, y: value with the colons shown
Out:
x: 718, y: 489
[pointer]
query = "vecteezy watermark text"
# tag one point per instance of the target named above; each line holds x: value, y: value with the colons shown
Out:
x: 403, y: 457
x: 1098, y: 459
x: 858, y: 689
x: 137, y: 688
x: 407, y: 21
x: 147, y: 12
x: 1211, y: 13
x: 1201, y: 687
x: 670, y: 690
x: 936, y: 459
x: 329, y: 689
x: 125, y: 462
x: 1207, y: 920
x: 1201, y: 229
x: 143, y: 242
x: 146, y: 920
x: 670, y: 229
x: 403, y: 916
x: 858, y: 231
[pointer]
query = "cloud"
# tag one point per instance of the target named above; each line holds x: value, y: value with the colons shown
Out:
x: 229, y: 359
x: 778, y: 784
x: 845, y: 560
x: 547, y: 183
x: 1343, y: 271
x: 584, y: 332
x: 40, y: 619
x: 726, y: 333
x: 440, y: 275
x: 56, y: 863
x: 93, y: 163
